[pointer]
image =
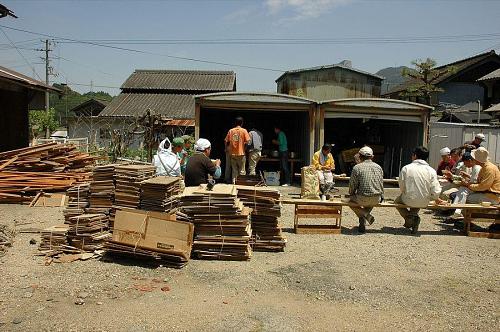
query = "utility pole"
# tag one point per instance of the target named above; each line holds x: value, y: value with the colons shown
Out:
x: 47, y: 72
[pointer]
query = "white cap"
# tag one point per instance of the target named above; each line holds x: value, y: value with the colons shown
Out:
x: 480, y: 154
x: 481, y: 137
x: 202, y: 144
x: 444, y: 151
x: 366, y: 151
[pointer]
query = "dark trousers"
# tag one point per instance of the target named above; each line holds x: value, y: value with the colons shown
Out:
x: 284, y: 167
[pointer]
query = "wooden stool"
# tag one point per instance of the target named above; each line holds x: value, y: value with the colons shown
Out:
x: 318, y: 212
x: 477, y: 216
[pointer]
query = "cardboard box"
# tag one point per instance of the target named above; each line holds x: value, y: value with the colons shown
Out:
x: 155, y: 231
x: 272, y: 178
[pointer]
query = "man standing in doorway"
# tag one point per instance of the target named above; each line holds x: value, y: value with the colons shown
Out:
x: 418, y: 184
x: 236, y: 140
x: 254, y: 149
x: 282, y: 144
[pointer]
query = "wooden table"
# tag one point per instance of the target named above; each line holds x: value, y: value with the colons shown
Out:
x: 292, y: 162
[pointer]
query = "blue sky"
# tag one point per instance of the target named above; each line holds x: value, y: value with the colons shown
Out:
x: 242, y: 19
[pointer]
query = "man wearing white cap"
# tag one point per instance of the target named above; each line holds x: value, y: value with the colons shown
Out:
x: 475, y: 143
x: 199, y: 166
x: 487, y: 188
x: 366, y: 187
x: 447, y: 163
x: 418, y: 184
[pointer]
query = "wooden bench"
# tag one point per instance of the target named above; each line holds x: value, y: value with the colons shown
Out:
x: 315, y: 212
x: 473, y: 213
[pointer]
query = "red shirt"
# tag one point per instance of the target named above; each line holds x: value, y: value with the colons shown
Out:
x: 448, y: 165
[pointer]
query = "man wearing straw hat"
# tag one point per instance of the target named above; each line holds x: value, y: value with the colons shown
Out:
x: 487, y: 188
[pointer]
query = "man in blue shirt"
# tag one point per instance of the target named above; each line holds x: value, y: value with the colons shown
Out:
x: 282, y: 144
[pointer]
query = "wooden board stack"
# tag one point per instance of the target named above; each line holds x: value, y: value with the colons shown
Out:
x: 266, y: 209
x: 102, y: 187
x: 78, y: 200
x: 160, y: 194
x: 128, y: 183
x: 88, y: 232
x: 53, y: 239
x: 222, y: 227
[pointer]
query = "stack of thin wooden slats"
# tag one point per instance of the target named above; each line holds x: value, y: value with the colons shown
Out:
x: 53, y: 239
x: 160, y: 194
x: 46, y: 167
x: 222, y: 227
x: 88, y: 232
x: 128, y: 183
x: 102, y: 187
x: 78, y: 200
x: 266, y: 209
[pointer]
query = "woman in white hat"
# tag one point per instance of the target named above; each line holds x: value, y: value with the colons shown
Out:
x: 446, y: 162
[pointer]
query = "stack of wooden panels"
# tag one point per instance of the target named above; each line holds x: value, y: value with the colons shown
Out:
x: 165, y: 259
x: 54, y: 239
x: 78, y: 200
x: 160, y: 194
x: 128, y: 183
x: 222, y: 227
x: 266, y: 209
x: 250, y: 180
x: 88, y: 232
x: 102, y: 187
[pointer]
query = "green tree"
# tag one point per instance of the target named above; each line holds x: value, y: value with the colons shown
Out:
x: 423, y: 79
x: 40, y: 121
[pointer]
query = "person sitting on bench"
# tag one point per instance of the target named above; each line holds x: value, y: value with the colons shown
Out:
x: 324, y: 165
x: 366, y: 187
x: 418, y: 184
x: 460, y: 197
x: 487, y: 188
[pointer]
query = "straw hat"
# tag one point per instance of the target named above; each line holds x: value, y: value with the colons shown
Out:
x: 480, y: 154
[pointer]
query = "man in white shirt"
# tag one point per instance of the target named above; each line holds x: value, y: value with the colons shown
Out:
x: 419, y: 185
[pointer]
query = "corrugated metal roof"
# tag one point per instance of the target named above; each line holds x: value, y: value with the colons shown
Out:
x: 171, y: 106
x: 181, y: 80
x: 376, y: 103
x: 459, y: 66
x: 255, y: 97
x: 493, y: 108
x: 494, y: 75
x: 21, y: 79
x: 338, y: 65
x: 181, y: 123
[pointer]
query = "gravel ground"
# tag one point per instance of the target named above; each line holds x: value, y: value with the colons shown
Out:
x: 383, y: 280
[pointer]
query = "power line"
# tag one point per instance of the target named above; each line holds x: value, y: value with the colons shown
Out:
x: 146, y: 52
x: 21, y: 54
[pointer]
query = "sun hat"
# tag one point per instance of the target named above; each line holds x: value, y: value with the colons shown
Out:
x: 202, y: 144
x: 480, y: 136
x: 366, y: 151
x: 444, y: 151
x: 480, y: 154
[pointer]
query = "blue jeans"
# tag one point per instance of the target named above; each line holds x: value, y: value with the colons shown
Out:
x: 284, y: 166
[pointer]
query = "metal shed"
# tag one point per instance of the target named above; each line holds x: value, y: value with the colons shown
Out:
x: 215, y: 114
x: 392, y: 127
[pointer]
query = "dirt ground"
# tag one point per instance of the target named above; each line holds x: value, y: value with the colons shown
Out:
x: 386, y: 279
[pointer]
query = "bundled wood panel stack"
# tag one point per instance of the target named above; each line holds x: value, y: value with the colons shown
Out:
x: 128, y: 183
x: 266, y: 209
x: 46, y: 167
x: 222, y: 227
x: 88, y: 232
x: 160, y: 194
x: 102, y: 187
x: 54, y: 239
x: 78, y: 200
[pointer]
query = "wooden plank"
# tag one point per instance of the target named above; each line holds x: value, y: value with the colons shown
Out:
x: 8, y: 162
x: 487, y: 235
x: 317, y: 229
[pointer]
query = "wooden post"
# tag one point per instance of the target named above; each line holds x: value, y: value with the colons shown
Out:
x: 197, y: 121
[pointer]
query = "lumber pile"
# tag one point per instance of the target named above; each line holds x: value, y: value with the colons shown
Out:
x: 102, y: 187
x: 128, y: 183
x: 221, y: 222
x: 78, y: 200
x: 88, y: 232
x: 250, y: 180
x: 53, y: 239
x: 160, y: 194
x: 47, y: 167
x: 266, y: 209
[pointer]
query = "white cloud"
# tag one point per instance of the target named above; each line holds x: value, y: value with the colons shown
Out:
x: 302, y: 9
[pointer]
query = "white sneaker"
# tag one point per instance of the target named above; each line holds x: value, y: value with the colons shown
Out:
x: 285, y: 185
x: 457, y: 216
